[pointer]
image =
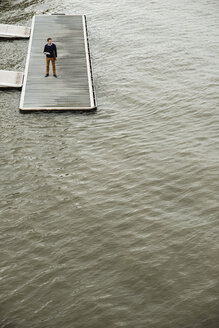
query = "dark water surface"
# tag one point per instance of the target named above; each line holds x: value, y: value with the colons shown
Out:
x: 110, y: 219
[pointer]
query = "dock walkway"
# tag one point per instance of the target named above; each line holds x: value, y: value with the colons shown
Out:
x: 73, y: 89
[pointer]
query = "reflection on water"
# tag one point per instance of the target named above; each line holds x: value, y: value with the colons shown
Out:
x: 109, y: 219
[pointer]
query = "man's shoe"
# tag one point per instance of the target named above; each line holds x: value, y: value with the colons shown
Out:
x: 46, y: 75
x: 54, y: 75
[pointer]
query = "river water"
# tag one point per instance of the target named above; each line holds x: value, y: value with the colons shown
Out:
x: 110, y: 219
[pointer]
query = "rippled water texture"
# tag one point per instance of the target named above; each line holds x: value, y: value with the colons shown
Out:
x: 110, y: 219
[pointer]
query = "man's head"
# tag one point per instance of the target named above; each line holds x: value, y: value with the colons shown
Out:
x: 49, y: 40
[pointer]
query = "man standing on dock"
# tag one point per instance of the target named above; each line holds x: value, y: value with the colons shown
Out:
x: 51, y: 54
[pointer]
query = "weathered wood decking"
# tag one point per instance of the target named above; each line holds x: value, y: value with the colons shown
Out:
x: 73, y: 89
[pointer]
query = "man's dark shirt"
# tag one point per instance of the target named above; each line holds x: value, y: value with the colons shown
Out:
x: 51, y: 49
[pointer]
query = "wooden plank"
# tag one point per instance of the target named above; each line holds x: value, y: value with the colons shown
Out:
x: 14, y: 31
x: 10, y: 79
x: 73, y: 89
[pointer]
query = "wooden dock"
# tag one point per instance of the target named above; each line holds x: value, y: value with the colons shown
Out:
x: 11, y: 79
x: 14, y: 31
x: 73, y: 89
